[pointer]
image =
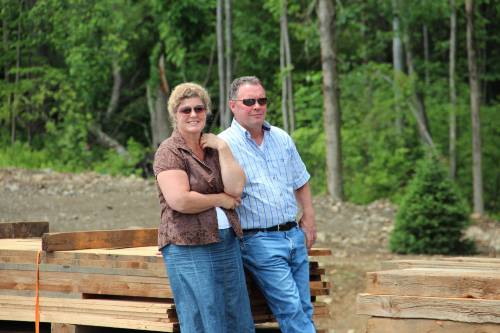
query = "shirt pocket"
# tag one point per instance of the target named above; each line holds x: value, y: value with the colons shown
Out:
x: 280, y: 169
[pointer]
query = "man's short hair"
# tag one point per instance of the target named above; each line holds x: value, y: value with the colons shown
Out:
x: 237, y: 83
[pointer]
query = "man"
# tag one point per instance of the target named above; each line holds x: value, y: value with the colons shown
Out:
x: 274, y: 246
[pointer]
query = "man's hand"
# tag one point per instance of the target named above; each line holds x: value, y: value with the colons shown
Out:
x: 309, y: 227
x: 304, y: 198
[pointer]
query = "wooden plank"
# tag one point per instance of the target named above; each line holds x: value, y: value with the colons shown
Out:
x: 87, y: 283
x: 394, y: 325
x: 319, y: 252
x: 473, y: 263
x: 119, y: 313
x: 124, y: 238
x: 120, y: 285
x: 150, y: 316
x: 63, y: 328
x: 23, y: 229
x: 435, y: 282
x: 68, y: 328
x: 455, y: 309
x: 65, y: 241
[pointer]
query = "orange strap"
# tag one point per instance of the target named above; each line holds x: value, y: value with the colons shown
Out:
x: 37, y: 300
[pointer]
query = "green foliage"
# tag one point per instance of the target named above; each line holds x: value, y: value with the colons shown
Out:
x: 115, y: 164
x: 22, y: 155
x: 311, y: 145
x: 377, y: 158
x: 432, y: 216
x: 59, y: 58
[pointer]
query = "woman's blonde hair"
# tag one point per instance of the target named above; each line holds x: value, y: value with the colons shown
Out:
x: 187, y: 90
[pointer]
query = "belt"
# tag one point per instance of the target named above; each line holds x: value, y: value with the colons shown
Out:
x: 280, y: 227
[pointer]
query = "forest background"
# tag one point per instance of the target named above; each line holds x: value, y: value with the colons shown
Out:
x: 85, y: 82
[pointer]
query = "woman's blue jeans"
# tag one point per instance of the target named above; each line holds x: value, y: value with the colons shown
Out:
x: 209, y: 286
x: 279, y: 263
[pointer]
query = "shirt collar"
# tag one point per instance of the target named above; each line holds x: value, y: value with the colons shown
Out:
x: 178, y: 140
x: 243, y: 131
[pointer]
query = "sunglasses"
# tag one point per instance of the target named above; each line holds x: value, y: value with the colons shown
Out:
x: 252, y: 101
x: 197, y: 109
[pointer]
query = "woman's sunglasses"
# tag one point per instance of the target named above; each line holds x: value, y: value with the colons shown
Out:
x: 197, y: 109
x: 251, y: 101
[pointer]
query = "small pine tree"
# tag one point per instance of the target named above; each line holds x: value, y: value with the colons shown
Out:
x: 432, y: 216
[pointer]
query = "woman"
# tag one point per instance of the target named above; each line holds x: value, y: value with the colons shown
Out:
x: 200, y: 184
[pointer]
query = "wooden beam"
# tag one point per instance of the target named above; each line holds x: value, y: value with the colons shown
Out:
x: 68, y: 241
x: 435, y: 282
x: 23, y: 229
x: 394, y: 325
x: 487, y: 264
x: 99, y: 239
x: 456, y: 309
x: 317, y: 252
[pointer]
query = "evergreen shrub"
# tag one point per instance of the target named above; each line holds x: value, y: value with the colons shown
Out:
x: 432, y: 216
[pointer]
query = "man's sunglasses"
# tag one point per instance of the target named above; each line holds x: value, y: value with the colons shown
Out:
x: 251, y: 101
x: 197, y: 109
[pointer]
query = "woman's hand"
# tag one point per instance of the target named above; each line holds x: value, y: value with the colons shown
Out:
x: 227, y: 201
x: 209, y: 140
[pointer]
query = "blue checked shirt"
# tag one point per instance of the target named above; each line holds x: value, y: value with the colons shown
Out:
x: 273, y: 171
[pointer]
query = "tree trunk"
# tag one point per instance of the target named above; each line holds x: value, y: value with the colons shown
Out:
x: 332, y: 112
x: 397, y: 62
x: 287, y: 107
x: 289, y: 67
x: 425, y: 34
x: 115, y: 93
x: 159, y: 120
x: 106, y: 141
x: 418, y: 103
x: 228, y: 53
x: 475, y: 106
x: 5, y: 42
x: 453, y: 92
x: 16, y: 84
x: 5, y: 47
x: 284, y: 90
x: 220, y: 62
x: 210, y: 65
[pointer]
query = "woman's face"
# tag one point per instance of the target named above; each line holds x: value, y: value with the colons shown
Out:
x: 191, y: 116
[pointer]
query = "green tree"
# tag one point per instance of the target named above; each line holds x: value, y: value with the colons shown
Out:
x: 433, y: 216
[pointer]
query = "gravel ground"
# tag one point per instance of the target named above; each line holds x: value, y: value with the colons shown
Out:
x: 357, y: 235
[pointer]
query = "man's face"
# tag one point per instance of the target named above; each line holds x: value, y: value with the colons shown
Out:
x: 250, y: 117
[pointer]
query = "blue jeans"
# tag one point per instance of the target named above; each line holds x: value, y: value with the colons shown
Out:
x: 279, y: 264
x: 209, y: 286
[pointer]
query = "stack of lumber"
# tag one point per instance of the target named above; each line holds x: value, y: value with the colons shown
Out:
x: 459, y: 295
x: 109, y: 287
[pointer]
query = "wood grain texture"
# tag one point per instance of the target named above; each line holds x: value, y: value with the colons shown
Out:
x: 61, y: 241
x: 456, y: 309
x: 476, y: 263
x: 391, y: 325
x: 436, y: 282
x: 23, y: 229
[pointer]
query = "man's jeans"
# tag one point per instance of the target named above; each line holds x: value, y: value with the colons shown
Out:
x: 279, y: 264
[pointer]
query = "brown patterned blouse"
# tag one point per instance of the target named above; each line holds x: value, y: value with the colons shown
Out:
x: 204, y: 177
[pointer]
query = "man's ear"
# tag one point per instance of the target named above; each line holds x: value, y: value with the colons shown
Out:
x: 232, y: 104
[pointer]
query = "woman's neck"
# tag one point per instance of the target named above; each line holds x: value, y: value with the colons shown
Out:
x: 192, y: 140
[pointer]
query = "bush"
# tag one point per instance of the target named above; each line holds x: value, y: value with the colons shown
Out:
x: 432, y: 216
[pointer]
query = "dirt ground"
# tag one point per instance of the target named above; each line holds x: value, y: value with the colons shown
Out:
x: 357, y: 235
